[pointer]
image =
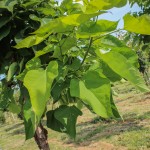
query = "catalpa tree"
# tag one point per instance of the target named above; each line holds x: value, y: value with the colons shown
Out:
x: 63, y: 55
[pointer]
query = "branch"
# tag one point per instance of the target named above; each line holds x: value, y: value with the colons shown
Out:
x: 107, y: 34
x: 90, y: 43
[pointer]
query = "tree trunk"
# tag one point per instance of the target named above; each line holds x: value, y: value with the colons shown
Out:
x: 41, y: 138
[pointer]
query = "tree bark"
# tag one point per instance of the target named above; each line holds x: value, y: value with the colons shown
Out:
x: 41, y: 137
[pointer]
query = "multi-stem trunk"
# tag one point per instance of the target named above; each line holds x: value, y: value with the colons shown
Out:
x: 41, y: 138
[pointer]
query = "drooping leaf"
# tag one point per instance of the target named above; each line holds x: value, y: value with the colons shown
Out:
x: 14, y: 108
x: 6, y: 96
x: 43, y: 21
x: 12, y: 70
x: 30, y: 3
x: 67, y: 43
x: 31, y: 41
x: 46, y: 11
x: 95, y: 5
x: 119, y: 64
x: 32, y: 64
x: 65, y: 24
x: 95, y: 92
x: 92, y: 29
x: 53, y: 123
x: 110, y: 42
x: 46, y: 50
x: 139, y: 25
x: 29, y: 120
x: 68, y: 117
x: 38, y: 82
x: 109, y: 73
x: 4, y: 20
x: 9, y: 5
x: 4, y: 31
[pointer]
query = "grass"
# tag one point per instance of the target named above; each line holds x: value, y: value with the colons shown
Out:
x: 93, y: 132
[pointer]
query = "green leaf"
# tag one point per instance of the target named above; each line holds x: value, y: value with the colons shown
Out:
x: 14, y: 108
x: 119, y: 64
x: 139, y: 25
x: 67, y: 43
x: 46, y: 50
x: 109, y: 73
x: 12, y: 70
x: 47, y: 11
x: 29, y: 120
x: 38, y: 82
x: 95, y: 92
x: 95, y: 5
x: 92, y: 29
x: 110, y: 42
x: 31, y: 41
x: 53, y: 123
x: 56, y: 91
x: 4, y: 32
x: 32, y: 64
x: 65, y: 24
x: 43, y: 21
x: 114, y: 108
x: 9, y: 5
x: 4, y: 20
x: 6, y: 96
x: 68, y: 117
x: 30, y: 3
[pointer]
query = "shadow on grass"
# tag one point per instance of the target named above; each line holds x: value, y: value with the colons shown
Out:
x: 98, y: 129
x: 15, y: 126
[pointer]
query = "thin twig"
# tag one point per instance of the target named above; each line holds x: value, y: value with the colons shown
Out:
x: 90, y: 43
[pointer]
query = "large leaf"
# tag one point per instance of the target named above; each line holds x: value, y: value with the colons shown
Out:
x: 67, y: 43
x: 4, y: 20
x: 12, y: 70
x: 29, y: 120
x: 4, y: 31
x: 119, y: 64
x: 38, y: 82
x: 91, y: 28
x: 95, y: 92
x: 46, y: 50
x: 14, y: 108
x: 95, y: 5
x: 110, y: 42
x: 64, y: 24
x: 139, y: 25
x: 68, y: 117
x: 63, y: 119
x: 53, y: 123
x: 31, y: 41
x: 8, y: 4
x: 32, y: 64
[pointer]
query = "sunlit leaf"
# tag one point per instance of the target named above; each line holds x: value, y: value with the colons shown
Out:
x: 38, y: 82
x: 95, y: 92
x: 31, y: 41
x: 119, y: 64
x: 12, y: 70
x: 139, y: 25
x: 92, y: 29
